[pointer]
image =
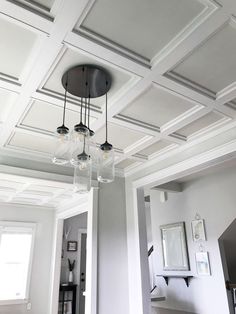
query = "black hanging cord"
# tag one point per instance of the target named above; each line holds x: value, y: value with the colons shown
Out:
x: 86, y: 103
x: 89, y: 111
x: 64, y: 110
x: 81, y: 109
x: 106, y: 114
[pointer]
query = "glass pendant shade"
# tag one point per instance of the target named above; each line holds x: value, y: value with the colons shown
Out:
x: 106, y: 167
x: 82, y: 174
x: 61, y: 155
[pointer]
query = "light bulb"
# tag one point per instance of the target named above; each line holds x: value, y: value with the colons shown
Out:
x: 83, y: 165
x: 62, y: 138
x: 79, y: 136
x: 105, y: 155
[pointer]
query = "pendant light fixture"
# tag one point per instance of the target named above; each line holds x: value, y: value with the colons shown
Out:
x: 106, y: 168
x: 61, y: 154
x: 85, y: 82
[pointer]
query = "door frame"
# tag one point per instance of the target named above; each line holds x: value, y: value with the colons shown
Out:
x: 80, y: 232
x: 88, y: 203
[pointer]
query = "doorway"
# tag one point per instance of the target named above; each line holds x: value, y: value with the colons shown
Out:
x: 73, y: 265
x: 87, y: 205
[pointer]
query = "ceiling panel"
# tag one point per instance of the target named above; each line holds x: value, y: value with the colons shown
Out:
x: 210, y: 66
x: 12, y: 186
x: 119, y: 136
x: 25, y: 200
x: 7, y: 99
x: 71, y: 59
x: 126, y: 163
x: 156, y: 107
x: 154, y: 148
x: 47, y: 4
x: 15, y: 47
x: 143, y: 27
x: 45, y: 116
x: 32, y: 142
x: 200, y: 124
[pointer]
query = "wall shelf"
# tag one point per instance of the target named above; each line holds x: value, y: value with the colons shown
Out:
x: 185, y: 278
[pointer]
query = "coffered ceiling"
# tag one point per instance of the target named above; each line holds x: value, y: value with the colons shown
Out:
x: 172, y: 64
x: 17, y: 189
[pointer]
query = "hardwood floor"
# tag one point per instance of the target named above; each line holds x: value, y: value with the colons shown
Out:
x: 156, y: 310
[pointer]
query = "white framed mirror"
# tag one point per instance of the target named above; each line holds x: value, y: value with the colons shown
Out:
x: 174, y: 247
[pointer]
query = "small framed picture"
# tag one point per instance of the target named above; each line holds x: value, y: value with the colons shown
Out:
x: 202, y: 264
x: 198, y: 230
x: 72, y: 246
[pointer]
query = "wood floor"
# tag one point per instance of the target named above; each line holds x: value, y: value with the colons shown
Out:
x: 156, y: 310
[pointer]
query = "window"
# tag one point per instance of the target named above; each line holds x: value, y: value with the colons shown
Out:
x: 16, y: 250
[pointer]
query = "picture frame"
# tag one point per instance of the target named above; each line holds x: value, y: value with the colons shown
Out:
x: 174, y: 247
x: 72, y: 246
x: 198, y: 230
x: 203, y: 264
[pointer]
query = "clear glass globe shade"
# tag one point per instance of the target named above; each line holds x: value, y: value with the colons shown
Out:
x: 61, y: 154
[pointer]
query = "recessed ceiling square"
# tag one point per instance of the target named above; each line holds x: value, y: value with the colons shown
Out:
x: 120, y: 137
x: 156, y: 107
x: 143, y: 27
x: 47, y: 117
x: 16, y: 44
x: 154, y: 148
x: 200, y: 124
x: 31, y: 142
x: 71, y: 59
x: 211, y: 66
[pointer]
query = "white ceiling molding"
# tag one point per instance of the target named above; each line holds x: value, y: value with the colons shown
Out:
x: 59, y: 32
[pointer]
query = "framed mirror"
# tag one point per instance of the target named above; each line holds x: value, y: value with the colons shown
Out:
x: 174, y: 247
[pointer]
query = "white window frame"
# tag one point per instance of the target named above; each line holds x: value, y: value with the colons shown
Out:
x: 21, y: 227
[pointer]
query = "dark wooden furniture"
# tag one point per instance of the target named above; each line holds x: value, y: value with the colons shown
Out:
x: 68, y: 294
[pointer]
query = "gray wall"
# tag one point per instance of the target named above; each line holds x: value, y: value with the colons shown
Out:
x: 40, y: 278
x: 112, y: 249
x: 214, y: 198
